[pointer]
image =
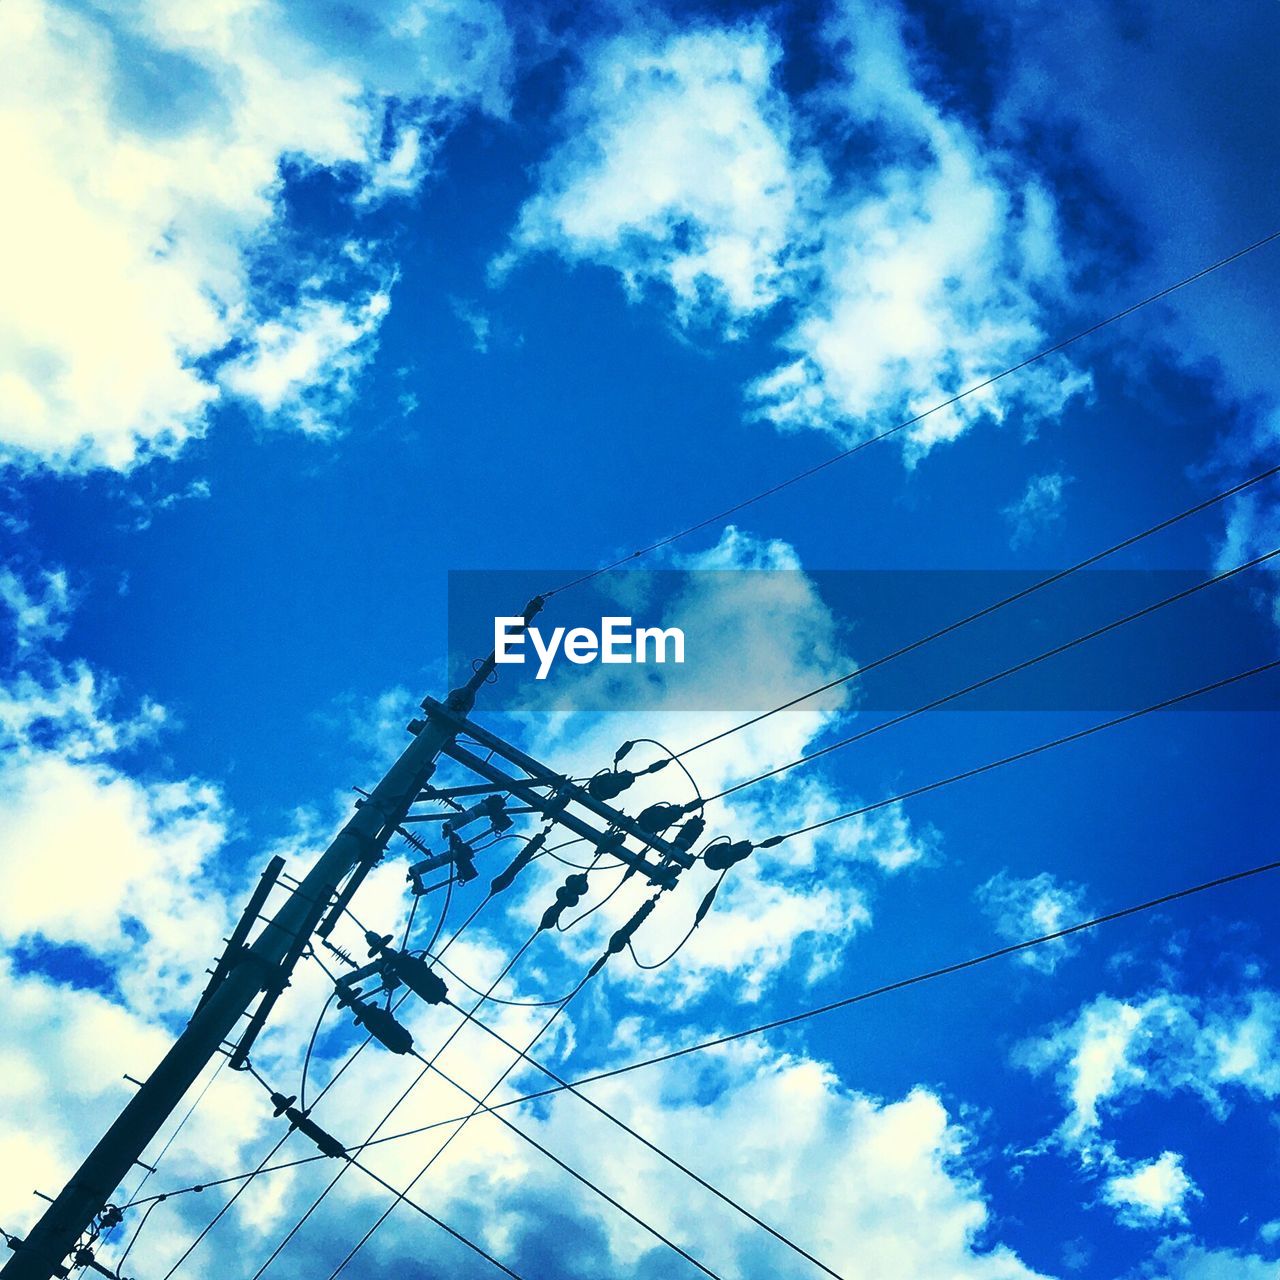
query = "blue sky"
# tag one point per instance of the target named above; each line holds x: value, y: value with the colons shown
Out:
x: 307, y: 307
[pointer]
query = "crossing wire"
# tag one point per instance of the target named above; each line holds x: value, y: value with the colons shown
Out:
x: 315, y: 1204
x: 460, y: 1123
x: 1024, y: 665
x: 265, y: 1161
x: 988, y: 610
x: 964, y: 394
x: 652, y: 1146
x: 804, y: 1015
x: 431, y: 1217
x: 555, y: 1159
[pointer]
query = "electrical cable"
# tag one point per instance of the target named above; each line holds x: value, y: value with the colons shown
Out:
x: 137, y: 1231
x: 555, y: 1159
x: 804, y: 1015
x: 515, y: 1004
x: 941, y: 405
x: 1024, y: 665
x: 262, y: 1166
x: 546, y: 1026
x: 639, y: 1137
x: 662, y: 746
x: 315, y: 1204
x: 1174, y: 701
x: 462, y: 1123
x: 591, y: 910
x: 680, y: 946
x: 988, y: 610
x: 311, y: 1044
x: 431, y: 1217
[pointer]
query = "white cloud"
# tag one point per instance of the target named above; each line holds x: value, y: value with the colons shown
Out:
x: 897, y: 1191
x: 38, y: 616
x: 1183, y: 1259
x: 1151, y: 1193
x: 1039, y: 506
x: 1025, y: 908
x: 301, y: 365
x: 144, y: 148
x: 911, y: 273
x: 1168, y: 1042
x: 676, y: 170
x: 1220, y: 1049
x: 935, y: 258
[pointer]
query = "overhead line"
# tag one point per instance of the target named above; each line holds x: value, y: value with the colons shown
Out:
x: 1025, y: 754
x: 652, y: 1146
x: 1024, y: 665
x: 987, y: 610
x: 337, y: 1177
x: 804, y: 1015
x: 973, y: 389
x: 431, y: 1217
x: 561, y: 1164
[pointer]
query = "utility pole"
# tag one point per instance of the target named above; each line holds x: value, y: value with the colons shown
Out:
x: 244, y: 973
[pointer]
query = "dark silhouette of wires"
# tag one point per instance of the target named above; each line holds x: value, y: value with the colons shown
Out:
x: 560, y: 1164
x: 971, y: 390
x: 639, y: 1137
x: 844, y: 1002
x: 988, y: 610
x: 1017, y: 667
x: 1025, y: 754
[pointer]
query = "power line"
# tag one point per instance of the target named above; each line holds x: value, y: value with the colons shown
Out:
x: 976, y: 387
x: 804, y: 1015
x: 460, y: 1123
x: 1024, y: 665
x: 988, y: 610
x: 265, y: 1161
x: 315, y: 1204
x: 1176, y: 700
x: 444, y: 1226
x: 572, y: 1172
x: 639, y: 1137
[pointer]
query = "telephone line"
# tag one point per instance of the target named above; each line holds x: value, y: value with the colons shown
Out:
x: 987, y: 610
x: 803, y: 1015
x: 1017, y: 667
x: 973, y: 389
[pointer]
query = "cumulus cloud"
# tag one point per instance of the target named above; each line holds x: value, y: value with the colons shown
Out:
x: 1025, y: 908
x: 1219, y: 1049
x: 923, y: 1213
x: 1151, y: 1193
x: 1039, y: 507
x: 145, y: 158
x: 94, y: 858
x: 676, y: 170
x: 911, y: 274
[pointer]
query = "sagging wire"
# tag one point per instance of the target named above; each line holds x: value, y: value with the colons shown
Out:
x: 699, y: 916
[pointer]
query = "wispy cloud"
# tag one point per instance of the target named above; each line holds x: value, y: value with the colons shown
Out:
x: 144, y: 244
x: 1039, y: 507
x: 1023, y: 908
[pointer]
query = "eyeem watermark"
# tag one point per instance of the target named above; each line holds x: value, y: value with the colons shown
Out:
x: 617, y: 641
